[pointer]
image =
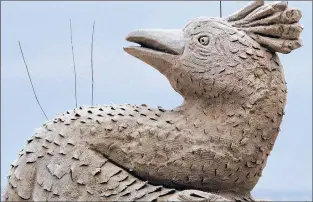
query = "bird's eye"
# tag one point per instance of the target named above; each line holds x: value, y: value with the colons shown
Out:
x: 204, y: 40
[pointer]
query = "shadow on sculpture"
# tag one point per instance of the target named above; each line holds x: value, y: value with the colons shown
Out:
x: 213, y: 147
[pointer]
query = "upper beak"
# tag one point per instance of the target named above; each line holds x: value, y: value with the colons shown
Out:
x: 167, y: 41
x: 159, y: 48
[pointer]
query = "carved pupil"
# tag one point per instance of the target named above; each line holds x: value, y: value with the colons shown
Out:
x: 204, y: 40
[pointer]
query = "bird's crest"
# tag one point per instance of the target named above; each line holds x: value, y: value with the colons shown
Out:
x: 274, y: 26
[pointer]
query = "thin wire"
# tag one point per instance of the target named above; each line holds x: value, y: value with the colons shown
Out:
x: 31, y: 81
x: 92, y: 81
x: 73, y: 61
x: 220, y: 9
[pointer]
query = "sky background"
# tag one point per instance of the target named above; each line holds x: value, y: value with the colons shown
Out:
x: 43, y: 29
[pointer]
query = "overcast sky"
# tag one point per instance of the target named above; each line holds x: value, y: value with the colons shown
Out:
x: 43, y: 29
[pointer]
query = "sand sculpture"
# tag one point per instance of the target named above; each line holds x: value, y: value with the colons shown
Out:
x: 212, y: 147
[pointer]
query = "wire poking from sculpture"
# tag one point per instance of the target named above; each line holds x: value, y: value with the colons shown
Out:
x: 73, y: 61
x: 92, y: 81
x: 31, y: 81
x: 221, y: 9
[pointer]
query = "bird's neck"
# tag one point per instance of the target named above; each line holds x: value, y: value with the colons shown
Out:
x: 257, y: 119
x: 211, y: 109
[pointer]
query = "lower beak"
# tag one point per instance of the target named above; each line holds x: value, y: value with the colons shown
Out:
x: 158, y: 48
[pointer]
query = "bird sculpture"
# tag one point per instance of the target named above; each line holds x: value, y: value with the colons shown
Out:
x: 212, y: 147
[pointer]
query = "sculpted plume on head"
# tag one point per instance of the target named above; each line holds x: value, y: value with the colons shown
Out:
x: 274, y: 26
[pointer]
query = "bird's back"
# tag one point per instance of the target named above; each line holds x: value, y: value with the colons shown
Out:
x: 57, y: 163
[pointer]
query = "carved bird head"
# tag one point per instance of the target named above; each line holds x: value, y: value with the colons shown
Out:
x: 214, y: 57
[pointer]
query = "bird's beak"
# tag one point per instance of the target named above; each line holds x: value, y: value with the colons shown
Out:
x: 158, y: 48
